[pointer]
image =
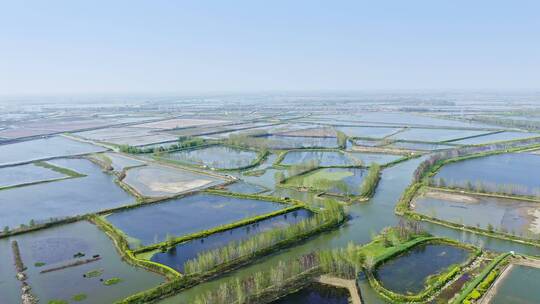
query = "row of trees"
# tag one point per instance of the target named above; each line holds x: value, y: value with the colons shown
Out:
x: 206, y: 261
x: 485, y: 187
x: 367, y: 188
x: 183, y: 142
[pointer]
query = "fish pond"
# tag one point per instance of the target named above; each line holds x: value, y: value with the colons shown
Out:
x: 45, y: 148
x: 63, y: 245
x: 408, y: 273
x: 519, y: 286
x: 334, y: 180
x: 178, y: 217
x: 27, y: 174
x: 337, y: 158
x: 219, y: 157
x: 292, y: 142
x: 317, y: 293
x: 435, y: 135
x: 420, y: 146
x: 370, y: 132
x: 65, y: 198
x: 155, y: 180
x: 509, y: 173
x: 183, y: 252
x: 245, y: 188
x: 520, y: 217
x: 501, y: 136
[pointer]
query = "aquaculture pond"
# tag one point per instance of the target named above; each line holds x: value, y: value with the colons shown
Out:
x: 317, y: 293
x: 520, y: 217
x: 502, y: 136
x: 245, y: 188
x: 509, y: 173
x: 421, y: 146
x: 183, y: 252
x: 94, y: 192
x: 187, y: 215
x: 63, y: 245
x: 219, y: 157
x: 120, y: 162
x: 27, y: 174
x: 27, y: 151
x: 435, y: 135
x: 371, y: 132
x: 337, y: 158
x: 155, y: 180
x: 291, y: 142
x: 407, y: 273
x: 333, y: 180
x: 519, y: 286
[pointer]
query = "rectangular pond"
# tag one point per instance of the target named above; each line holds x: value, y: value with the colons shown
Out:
x: 520, y: 217
x: 94, y: 192
x: 58, y: 246
x: 511, y: 171
x: 371, y: 132
x: 435, y: 135
x: 421, y: 146
x: 291, y: 142
x: 187, y: 215
x: 245, y: 188
x: 519, y: 286
x: 317, y: 293
x: 183, y: 252
x: 502, y: 136
x: 337, y: 158
x: 334, y: 180
x: 219, y: 157
x: 27, y: 174
x: 44, y: 148
x: 407, y: 273
x: 155, y: 180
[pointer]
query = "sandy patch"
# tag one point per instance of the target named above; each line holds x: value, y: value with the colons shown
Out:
x: 176, y: 187
x: 453, y: 197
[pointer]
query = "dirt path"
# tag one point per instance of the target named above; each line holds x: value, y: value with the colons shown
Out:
x: 349, y: 284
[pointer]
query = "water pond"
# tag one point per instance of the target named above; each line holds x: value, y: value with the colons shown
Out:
x: 337, y: 158
x: 520, y: 286
x: 44, y: 148
x: 183, y: 252
x: 26, y: 174
x: 371, y: 132
x: 245, y: 188
x: 162, y: 181
x: 317, y: 293
x: 183, y: 216
x: 502, y: 136
x: 515, y: 216
x: 333, y: 180
x: 512, y: 171
x: 291, y: 142
x: 407, y: 273
x: 56, y: 247
x: 120, y: 162
x: 421, y: 146
x: 435, y: 135
x: 94, y: 192
x: 219, y: 157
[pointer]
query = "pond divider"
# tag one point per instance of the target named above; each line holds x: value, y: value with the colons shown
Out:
x: 73, y: 264
x: 26, y: 295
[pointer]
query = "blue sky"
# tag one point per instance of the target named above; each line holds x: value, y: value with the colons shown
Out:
x: 49, y: 47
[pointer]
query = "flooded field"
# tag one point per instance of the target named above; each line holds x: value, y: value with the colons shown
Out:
x: 291, y: 142
x: 518, y: 217
x: 41, y: 202
x: 421, y: 146
x: 407, y: 273
x: 371, y: 132
x: 502, y: 136
x: 120, y: 162
x: 333, y: 180
x: 155, y: 180
x: 508, y: 173
x: 62, y: 245
x: 45, y: 148
x: 27, y: 174
x: 337, y: 158
x: 245, y: 188
x: 183, y: 252
x: 316, y: 293
x: 434, y: 135
x: 519, y: 286
x: 219, y: 157
x: 183, y: 216
x: 132, y: 136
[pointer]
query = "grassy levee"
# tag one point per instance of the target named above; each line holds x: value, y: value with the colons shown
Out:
x: 472, y: 136
x: 473, y: 289
x: 122, y: 246
x: 435, y: 283
x: 261, y: 156
x: 185, y: 281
